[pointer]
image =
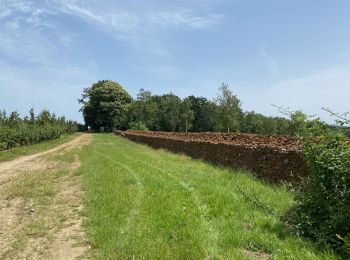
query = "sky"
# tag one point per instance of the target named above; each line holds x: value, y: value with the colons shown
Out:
x: 291, y: 53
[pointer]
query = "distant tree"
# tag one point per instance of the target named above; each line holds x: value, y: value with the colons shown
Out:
x: 283, y: 126
x: 298, y: 125
x: 170, y: 112
x: 204, y: 114
x: 186, y: 115
x: 229, y: 113
x: 252, y: 123
x: 105, y: 103
x: 144, y: 109
x: 269, y: 125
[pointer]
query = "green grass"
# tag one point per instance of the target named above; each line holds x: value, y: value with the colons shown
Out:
x: 13, y: 153
x: 143, y: 203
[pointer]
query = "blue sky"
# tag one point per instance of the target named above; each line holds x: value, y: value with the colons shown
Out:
x: 294, y: 53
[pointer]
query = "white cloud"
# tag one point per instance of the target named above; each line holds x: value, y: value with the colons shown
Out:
x: 119, y: 23
x: 9, y: 6
x: 5, y: 13
x: 127, y: 25
x: 269, y: 62
x: 185, y: 19
x: 27, y: 36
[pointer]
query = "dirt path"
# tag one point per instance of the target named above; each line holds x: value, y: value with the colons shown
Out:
x: 25, y: 162
x: 40, y: 205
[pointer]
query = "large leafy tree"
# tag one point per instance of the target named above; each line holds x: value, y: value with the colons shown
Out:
x: 229, y: 112
x: 105, y: 103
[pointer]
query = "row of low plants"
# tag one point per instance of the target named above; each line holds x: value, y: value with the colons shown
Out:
x: 16, y: 131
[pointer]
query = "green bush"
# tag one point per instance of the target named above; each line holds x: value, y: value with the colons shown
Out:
x: 322, y: 211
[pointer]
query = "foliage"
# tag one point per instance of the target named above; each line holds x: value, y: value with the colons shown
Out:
x: 186, y: 115
x: 104, y: 104
x: 228, y: 112
x: 253, y: 123
x: 107, y: 104
x: 138, y: 126
x: 15, y: 131
x: 144, y: 109
x: 204, y: 114
x: 170, y: 112
x: 322, y: 211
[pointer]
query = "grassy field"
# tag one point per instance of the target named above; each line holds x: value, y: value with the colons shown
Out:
x: 35, y: 148
x: 142, y: 203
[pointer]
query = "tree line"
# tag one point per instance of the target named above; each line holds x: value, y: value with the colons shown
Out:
x: 16, y: 131
x: 108, y: 104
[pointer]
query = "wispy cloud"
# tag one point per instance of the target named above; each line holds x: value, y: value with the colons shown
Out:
x: 7, y: 7
x: 121, y: 24
x: 26, y: 25
x: 185, y: 19
x: 127, y: 24
x: 269, y: 62
x: 28, y: 35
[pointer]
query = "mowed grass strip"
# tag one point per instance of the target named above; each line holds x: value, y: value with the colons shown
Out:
x: 143, y: 203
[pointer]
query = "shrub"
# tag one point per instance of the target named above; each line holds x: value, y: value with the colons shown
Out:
x: 322, y: 211
x: 138, y: 126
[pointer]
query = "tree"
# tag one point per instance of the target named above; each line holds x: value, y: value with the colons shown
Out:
x: 187, y: 115
x: 229, y: 112
x: 104, y: 104
x: 269, y: 125
x: 253, y: 123
x: 170, y: 112
x: 204, y: 114
x: 144, y: 111
x: 283, y: 126
x: 298, y: 126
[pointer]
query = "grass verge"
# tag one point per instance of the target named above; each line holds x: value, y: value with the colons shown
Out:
x: 13, y: 153
x: 143, y: 203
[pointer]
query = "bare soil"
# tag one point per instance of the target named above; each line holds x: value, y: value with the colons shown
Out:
x: 280, y: 142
